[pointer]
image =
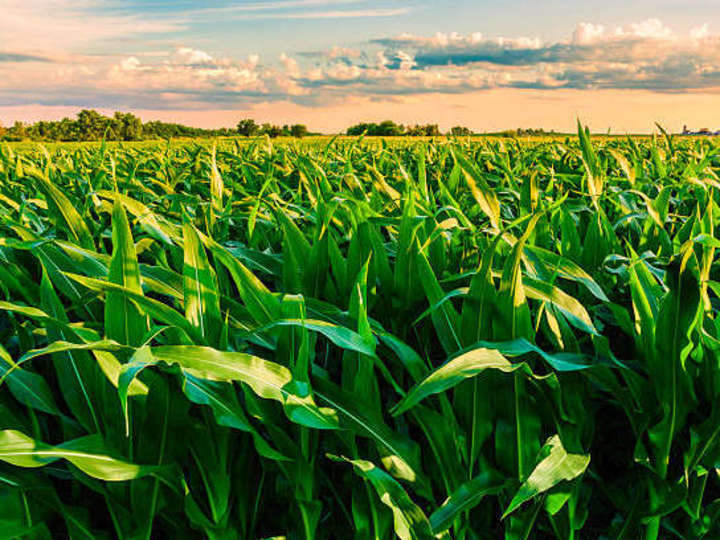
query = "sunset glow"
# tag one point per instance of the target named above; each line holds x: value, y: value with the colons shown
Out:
x: 328, y: 64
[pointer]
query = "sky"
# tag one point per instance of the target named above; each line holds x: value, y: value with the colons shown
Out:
x: 618, y: 66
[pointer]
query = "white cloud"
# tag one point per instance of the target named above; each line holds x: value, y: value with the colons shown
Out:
x: 349, y: 14
x: 130, y: 64
x: 240, y: 13
x: 190, y: 56
x: 342, y: 52
x: 65, y: 26
x: 651, y: 28
x: 291, y: 66
x: 700, y: 32
x: 644, y: 55
x: 185, y: 72
x: 382, y: 61
x: 588, y: 33
x: 267, y: 6
x: 407, y: 62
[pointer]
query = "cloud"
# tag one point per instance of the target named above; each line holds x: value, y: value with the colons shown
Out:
x: 700, y: 32
x: 356, y: 14
x: 268, y: 6
x: 48, y: 25
x: 186, y: 71
x: 239, y: 15
x: 586, y: 33
x: 14, y: 57
x: 640, y: 56
x: 651, y: 28
x: 193, y: 57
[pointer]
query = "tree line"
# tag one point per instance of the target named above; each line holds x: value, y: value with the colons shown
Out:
x: 388, y: 128
x: 90, y: 125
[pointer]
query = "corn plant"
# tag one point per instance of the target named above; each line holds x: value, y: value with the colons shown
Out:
x: 476, y: 338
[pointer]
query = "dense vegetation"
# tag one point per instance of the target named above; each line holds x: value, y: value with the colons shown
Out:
x: 388, y: 128
x: 455, y: 339
x: 90, y: 125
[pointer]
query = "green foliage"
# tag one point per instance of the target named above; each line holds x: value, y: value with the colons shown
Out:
x: 427, y: 130
x: 247, y: 127
x: 90, y: 125
x: 463, y: 338
x: 298, y: 131
x: 386, y: 128
x: 460, y: 131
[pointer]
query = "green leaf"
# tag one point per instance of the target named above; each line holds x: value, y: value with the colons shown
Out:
x: 123, y: 320
x: 76, y: 371
x: 27, y: 387
x: 86, y: 453
x: 565, y: 268
x: 677, y: 318
x: 202, y: 299
x: 480, y: 189
x: 556, y: 466
x: 223, y: 401
x: 156, y: 309
x: 261, y: 303
x: 75, y: 226
x: 464, y: 366
x: 400, y: 454
x: 410, y: 521
x: 267, y: 379
x: 512, y: 303
x: 573, y: 310
x: 445, y: 319
x: 465, y: 498
x: 339, y: 335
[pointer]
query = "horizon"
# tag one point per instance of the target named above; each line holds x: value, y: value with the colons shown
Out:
x: 332, y: 64
x: 539, y: 130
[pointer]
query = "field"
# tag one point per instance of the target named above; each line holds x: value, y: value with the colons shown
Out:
x: 355, y: 338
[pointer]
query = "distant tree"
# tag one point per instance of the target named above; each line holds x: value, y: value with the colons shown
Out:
x: 432, y: 130
x: 126, y: 127
x: 2, y: 131
x: 271, y: 130
x: 359, y: 129
x: 426, y: 130
x: 298, y: 130
x: 415, y: 131
x: 387, y: 128
x: 17, y: 132
x: 460, y: 131
x: 529, y: 132
x: 91, y: 125
x: 65, y: 130
x: 247, y: 127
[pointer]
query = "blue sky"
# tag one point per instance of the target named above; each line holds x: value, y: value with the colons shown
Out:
x: 489, y: 63
x: 241, y: 27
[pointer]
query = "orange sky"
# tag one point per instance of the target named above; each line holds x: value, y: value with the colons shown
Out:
x: 621, y: 111
x: 484, y: 64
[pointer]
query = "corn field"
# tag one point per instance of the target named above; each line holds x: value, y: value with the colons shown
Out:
x: 458, y: 338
